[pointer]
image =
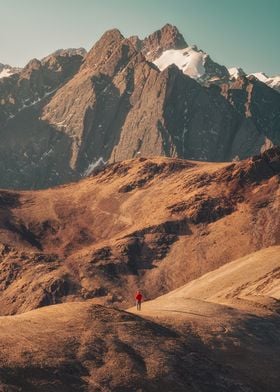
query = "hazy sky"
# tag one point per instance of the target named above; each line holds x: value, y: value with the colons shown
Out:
x: 234, y: 32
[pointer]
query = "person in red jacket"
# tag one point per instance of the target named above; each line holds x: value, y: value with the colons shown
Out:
x: 138, y: 299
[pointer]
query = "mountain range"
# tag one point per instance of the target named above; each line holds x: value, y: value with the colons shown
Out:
x: 63, y: 116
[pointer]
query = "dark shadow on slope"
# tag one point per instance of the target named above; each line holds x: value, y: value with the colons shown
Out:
x: 249, y: 346
x: 8, y: 202
x: 24, y: 233
x: 33, y: 153
x: 63, y: 378
x: 103, y: 122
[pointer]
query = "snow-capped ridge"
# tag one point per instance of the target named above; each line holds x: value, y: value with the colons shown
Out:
x: 92, y: 166
x: 273, y: 82
x: 7, y: 70
x: 236, y: 72
x: 190, y: 60
x: 260, y: 76
x: 5, y: 73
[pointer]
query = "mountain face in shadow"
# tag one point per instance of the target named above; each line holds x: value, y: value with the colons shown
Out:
x: 61, y: 116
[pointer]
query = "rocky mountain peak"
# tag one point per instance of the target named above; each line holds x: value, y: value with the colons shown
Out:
x: 171, y: 31
x: 271, y: 81
x: 168, y: 37
x: 7, y: 70
x: 4, y: 66
x: 235, y: 72
x: 127, y: 98
x: 136, y: 41
x: 33, y: 64
x: 103, y: 48
x: 66, y: 53
x: 112, y: 35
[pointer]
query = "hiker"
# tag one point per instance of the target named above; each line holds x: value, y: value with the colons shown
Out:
x: 138, y: 299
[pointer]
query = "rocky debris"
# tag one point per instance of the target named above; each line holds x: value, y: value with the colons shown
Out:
x: 36, y: 275
x: 151, y: 170
x: 146, y: 174
x: 199, y: 181
x: 54, y: 291
x: 207, y: 210
x: 204, y: 209
x: 254, y: 170
x: 114, y: 169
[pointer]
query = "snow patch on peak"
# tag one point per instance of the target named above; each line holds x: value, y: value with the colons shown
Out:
x: 235, y: 72
x: 99, y: 162
x: 273, y: 82
x: 190, y: 60
x: 6, y: 72
x: 261, y: 76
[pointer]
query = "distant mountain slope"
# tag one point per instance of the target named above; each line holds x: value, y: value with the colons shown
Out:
x: 61, y: 116
x: 255, y: 277
x: 7, y: 70
x: 273, y: 82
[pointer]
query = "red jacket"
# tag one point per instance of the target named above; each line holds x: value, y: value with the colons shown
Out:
x: 138, y: 296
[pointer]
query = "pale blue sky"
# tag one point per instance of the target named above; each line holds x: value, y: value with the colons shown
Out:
x: 234, y: 32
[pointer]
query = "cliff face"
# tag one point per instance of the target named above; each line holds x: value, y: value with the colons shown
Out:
x: 61, y: 116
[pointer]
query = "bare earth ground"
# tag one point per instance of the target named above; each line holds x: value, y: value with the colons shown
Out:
x: 235, y: 312
x: 150, y: 223
x: 206, y: 234
x: 224, y: 338
x: 84, y: 347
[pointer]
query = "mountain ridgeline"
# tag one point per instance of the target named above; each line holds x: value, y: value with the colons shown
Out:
x: 61, y: 116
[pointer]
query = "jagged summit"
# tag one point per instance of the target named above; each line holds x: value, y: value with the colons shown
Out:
x: 273, y: 82
x: 236, y: 72
x: 168, y: 37
x: 7, y: 70
x: 66, y: 52
x: 103, y: 48
x: 152, y: 46
x: 126, y: 98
